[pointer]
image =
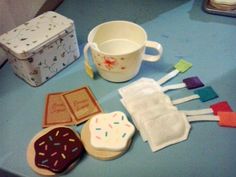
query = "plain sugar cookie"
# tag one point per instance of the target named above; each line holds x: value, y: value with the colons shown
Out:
x: 54, y: 150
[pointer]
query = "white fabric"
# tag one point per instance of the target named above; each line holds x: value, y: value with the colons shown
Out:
x: 144, y: 97
x: 151, y: 113
x: 154, y: 114
x: 197, y: 112
x: 141, y: 91
x: 173, y: 87
x: 137, y: 103
x: 185, y: 99
x: 167, y: 77
x: 148, y: 82
x: 170, y: 128
x: 203, y: 118
x: 135, y: 85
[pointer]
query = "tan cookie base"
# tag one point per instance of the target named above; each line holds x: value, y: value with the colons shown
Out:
x: 30, y: 154
x: 222, y: 6
x: 97, y: 153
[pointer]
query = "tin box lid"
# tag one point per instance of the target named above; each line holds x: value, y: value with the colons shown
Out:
x: 29, y: 37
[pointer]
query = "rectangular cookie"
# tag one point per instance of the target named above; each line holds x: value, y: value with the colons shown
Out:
x: 81, y: 104
x: 55, y: 111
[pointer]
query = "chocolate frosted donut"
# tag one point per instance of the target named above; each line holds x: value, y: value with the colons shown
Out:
x: 57, y: 149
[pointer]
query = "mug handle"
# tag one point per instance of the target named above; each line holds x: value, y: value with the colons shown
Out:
x: 88, y: 68
x: 158, y: 47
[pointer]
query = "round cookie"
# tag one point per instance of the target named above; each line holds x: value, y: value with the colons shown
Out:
x: 103, y: 153
x: 226, y: 5
x: 54, y: 150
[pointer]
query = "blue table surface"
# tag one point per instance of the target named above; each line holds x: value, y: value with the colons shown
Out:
x: 185, y: 31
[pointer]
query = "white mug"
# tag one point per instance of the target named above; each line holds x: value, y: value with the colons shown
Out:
x: 118, y: 49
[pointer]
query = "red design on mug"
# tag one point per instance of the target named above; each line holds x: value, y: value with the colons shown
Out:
x: 109, y: 62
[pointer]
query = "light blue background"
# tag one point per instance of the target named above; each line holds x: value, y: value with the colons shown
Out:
x: 185, y: 31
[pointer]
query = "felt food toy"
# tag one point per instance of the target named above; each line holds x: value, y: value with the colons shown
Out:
x: 143, y: 83
x: 173, y: 126
x: 54, y: 150
x: 107, y: 136
x: 110, y: 131
x: 151, y: 113
x: 70, y: 107
x: 167, y: 129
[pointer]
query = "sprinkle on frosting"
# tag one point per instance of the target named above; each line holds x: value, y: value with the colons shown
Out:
x: 66, y: 134
x: 55, y: 163
x: 63, y: 156
x: 57, y: 133
x: 53, y: 154
x: 42, y: 143
x: 98, y: 137
x: 75, y: 149
x: 42, y: 154
x: 57, y: 144
x: 114, y: 131
x: 110, y: 125
x: 44, y: 161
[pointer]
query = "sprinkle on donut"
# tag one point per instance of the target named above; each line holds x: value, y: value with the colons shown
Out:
x: 57, y: 149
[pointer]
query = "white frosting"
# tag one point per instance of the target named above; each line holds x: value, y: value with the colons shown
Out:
x: 110, y: 131
x: 225, y: 2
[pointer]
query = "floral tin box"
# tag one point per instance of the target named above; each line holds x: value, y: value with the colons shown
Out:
x: 41, y: 47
